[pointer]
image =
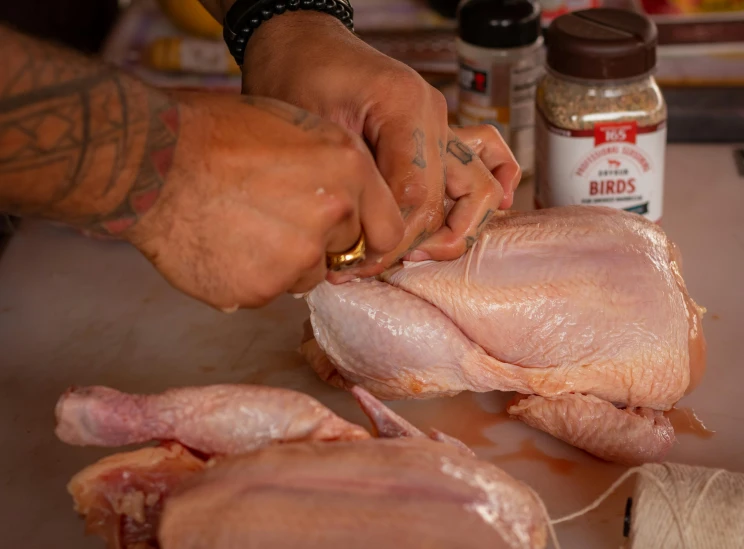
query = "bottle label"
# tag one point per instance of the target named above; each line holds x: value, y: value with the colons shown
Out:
x: 503, y: 95
x: 552, y: 9
x: 618, y: 164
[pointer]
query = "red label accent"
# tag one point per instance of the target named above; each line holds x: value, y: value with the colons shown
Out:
x: 615, y: 132
x: 565, y: 7
x: 479, y: 81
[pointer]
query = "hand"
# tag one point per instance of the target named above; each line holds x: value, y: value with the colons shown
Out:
x: 311, y: 60
x: 486, y: 142
x: 474, y: 157
x: 258, y: 193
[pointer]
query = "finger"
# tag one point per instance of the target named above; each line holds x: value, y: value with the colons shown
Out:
x: 477, y: 196
x: 362, y: 201
x: 379, y: 220
x: 379, y: 214
x: 410, y: 159
x: 344, y: 227
x: 310, y: 279
x: 487, y: 143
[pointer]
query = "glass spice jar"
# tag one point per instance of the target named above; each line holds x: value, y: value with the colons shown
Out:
x: 500, y: 55
x: 601, y: 128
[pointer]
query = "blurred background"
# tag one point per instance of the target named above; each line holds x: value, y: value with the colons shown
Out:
x: 177, y: 44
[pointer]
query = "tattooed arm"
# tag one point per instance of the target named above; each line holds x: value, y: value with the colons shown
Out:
x: 79, y: 142
x: 235, y: 200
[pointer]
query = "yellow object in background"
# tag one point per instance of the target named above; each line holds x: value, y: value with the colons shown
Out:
x: 191, y: 55
x: 691, y: 7
x: 191, y: 17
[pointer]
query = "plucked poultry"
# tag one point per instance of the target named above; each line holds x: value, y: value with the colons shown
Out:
x: 242, y: 466
x: 580, y: 310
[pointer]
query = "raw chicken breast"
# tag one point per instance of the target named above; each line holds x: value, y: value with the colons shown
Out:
x: 402, y: 490
x: 121, y: 496
x: 560, y: 302
x: 366, y: 495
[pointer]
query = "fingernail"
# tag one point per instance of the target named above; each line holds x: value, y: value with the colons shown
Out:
x: 507, y: 201
x: 336, y: 278
x: 418, y: 255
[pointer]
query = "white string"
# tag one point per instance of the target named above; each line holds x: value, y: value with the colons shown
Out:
x: 551, y: 529
x: 597, y: 502
x: 700, y: 497
x: 682, y: 526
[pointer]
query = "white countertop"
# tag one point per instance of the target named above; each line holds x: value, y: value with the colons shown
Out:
x: 79, y: 311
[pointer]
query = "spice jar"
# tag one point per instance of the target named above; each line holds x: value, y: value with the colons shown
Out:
x: 500, y: 56
x: 601, y: 129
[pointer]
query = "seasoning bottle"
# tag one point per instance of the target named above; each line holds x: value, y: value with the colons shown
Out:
x: 500, y: 58
x: 601, y: 128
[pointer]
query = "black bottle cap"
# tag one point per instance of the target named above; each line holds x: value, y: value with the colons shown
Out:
x: 499, y: 23
x: 602, y: 43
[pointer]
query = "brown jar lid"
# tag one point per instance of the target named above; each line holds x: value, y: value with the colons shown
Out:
x: 602, y: 44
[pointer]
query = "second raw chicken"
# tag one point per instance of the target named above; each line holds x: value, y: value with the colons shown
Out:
x: 581, y: 310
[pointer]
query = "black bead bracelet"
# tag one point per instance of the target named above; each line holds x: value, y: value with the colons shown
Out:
x: 245, y: 16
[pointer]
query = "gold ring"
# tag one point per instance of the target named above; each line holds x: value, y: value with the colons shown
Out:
x: 354, y: 256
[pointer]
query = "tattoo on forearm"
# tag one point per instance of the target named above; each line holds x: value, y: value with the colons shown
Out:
x: 79, y: 142
x: 420, y: 157
x: 460, y: 150
x: 160, y: 147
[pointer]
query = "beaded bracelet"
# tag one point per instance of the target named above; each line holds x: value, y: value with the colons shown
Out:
x: 245, y: 16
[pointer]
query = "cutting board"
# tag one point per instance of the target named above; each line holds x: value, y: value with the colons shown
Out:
x: 80, y: 311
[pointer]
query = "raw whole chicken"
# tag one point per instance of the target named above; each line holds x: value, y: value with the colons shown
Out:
x: 276, y: 469
x: 581, y: 310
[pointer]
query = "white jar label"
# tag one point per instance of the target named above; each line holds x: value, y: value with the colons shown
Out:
x: 615, y: 164
x: 503, y: 95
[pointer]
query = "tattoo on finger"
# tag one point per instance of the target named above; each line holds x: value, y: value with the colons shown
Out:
x: 482, y: 225
x: 420, y: 239
x: 405, y: 211
x: 486, y: 217
x: 460, y: 150
x: 419, y: 159
x: 422, y: 236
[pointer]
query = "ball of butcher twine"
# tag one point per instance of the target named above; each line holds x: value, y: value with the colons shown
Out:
x: 681, y: 507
